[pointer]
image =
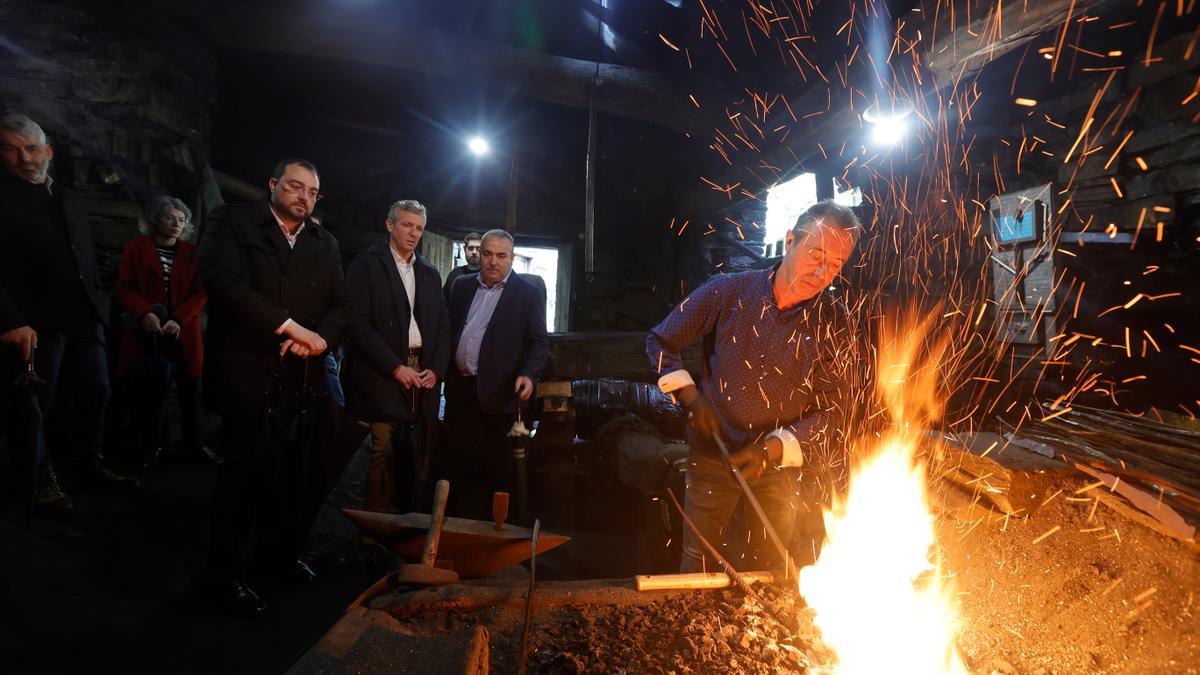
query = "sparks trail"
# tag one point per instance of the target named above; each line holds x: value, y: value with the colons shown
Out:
x: 927, y: 202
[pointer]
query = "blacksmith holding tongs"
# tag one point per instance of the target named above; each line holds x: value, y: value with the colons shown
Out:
x: 776, y: 380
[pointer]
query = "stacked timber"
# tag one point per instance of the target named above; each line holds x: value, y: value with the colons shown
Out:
x: 1159, y: 459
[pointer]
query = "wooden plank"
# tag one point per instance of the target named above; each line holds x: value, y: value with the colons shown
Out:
x: 1172, y: 522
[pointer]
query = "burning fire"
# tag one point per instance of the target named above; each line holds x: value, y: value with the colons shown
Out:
x: 880, y: 602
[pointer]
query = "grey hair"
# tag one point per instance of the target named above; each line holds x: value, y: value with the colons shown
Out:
x: 148, y: 223
x: 499, y: 234
x: 24, y: 126
x: 828, y: 210
x: 408, y: 206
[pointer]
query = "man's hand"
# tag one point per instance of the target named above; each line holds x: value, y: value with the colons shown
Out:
x: 428, y: 378
x: 703, y: 415
x: 23, y: 339
x: 151, y: 324
x: 171, y: 328
x: 755, y: 458
x: 302, y: 342
x: 407, y: 376
x: 523, y: 388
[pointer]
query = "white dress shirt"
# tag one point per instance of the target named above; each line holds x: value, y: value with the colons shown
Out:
x: 408, y: 277
x: 288, y: 235
x: 291, y: 242
x: 483, y: 305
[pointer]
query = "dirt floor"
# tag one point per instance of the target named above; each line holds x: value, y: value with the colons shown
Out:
x: 1099, y: 594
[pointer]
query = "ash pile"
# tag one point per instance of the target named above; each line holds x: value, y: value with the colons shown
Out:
x: 699, y: 632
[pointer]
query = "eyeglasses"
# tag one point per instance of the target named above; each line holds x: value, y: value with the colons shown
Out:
x: 295, y: 187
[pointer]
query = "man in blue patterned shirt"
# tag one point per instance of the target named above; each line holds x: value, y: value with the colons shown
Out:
x: 777, y: 374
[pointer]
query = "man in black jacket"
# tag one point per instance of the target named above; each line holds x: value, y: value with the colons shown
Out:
x: 276, y: 301
x: 50, y: 298
x: 471, y: 244
x: 399, y: 345
x: 498, y: 329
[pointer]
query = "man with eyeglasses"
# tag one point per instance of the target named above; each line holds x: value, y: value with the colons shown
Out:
x: 471, y: 244
x: 277, y: 300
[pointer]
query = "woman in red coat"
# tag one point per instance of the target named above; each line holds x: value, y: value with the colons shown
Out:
x: 159, y: 285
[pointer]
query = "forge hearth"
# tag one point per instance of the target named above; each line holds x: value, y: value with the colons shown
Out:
x: 1121, y: 599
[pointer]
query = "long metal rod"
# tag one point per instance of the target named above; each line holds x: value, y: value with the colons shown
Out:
x: 735, y: 576
x: 510, y: 214
x: 537, y: 525
x: 589, y: 195
x: 789, y: 566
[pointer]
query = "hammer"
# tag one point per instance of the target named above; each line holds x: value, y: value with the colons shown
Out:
x: 424, y: 573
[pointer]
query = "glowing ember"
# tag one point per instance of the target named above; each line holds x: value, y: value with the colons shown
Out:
x: 880, y: 603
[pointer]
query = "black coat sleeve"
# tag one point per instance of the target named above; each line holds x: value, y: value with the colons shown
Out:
x: 10, y: 316
x: 340, y: 309
x: 537, y: 342
x: 223, y: 269
x: 440, y: 361
x: 364, y: 340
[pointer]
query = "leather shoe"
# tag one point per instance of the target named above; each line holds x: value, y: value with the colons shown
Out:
x: 239, y: 599
x: 301, y: 573
x: 51, y: 499
x: 96, y: 476
x: 153, y: 456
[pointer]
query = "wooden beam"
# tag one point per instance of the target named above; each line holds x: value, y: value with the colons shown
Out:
x: 618, y: 90
x: 239, y: 188
x: 953, y: 50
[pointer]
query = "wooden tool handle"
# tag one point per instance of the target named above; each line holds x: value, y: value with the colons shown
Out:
x: 663, y: 582
x: 500, y: 508
x: 437, y: 518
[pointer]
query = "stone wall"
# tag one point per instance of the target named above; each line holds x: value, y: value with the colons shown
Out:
x: 127, y: 101
x: 1131, y: 294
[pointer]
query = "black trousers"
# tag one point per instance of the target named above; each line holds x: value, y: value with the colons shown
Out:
x: 479, y: 461
x: 259, y: 518
x: 151, y: 377
x: 74, y: 364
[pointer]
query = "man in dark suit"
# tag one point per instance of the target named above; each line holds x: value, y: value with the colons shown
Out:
x: 498, y: 329
x: 276, y: 301
x: 399, y: 346
x: 471, y: 244
x: 50, y: 299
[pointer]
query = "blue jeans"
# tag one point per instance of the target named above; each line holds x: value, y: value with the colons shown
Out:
x: 712, y: 497
x: 333, y: 367
x: 75, y: 362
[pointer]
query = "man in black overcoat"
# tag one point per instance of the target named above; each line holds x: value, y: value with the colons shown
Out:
x: 276, y: 301
x: 51, y: 304
x: 397, y: 351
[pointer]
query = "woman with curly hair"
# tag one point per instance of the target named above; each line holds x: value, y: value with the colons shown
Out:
x: 160, y: 288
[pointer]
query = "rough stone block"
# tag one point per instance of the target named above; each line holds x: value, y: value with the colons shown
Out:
x: 1155, y: 137
x: 1125, y: 214
x: 1163, y: 102
x: 1173, y: 179
x: 1171, y: 53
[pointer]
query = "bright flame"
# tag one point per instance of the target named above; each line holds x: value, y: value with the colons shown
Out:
x: 880, y: 603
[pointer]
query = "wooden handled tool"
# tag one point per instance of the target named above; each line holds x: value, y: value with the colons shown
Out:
x: 696, y: 580
x: 437, y: 518
x: 499, y: 509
